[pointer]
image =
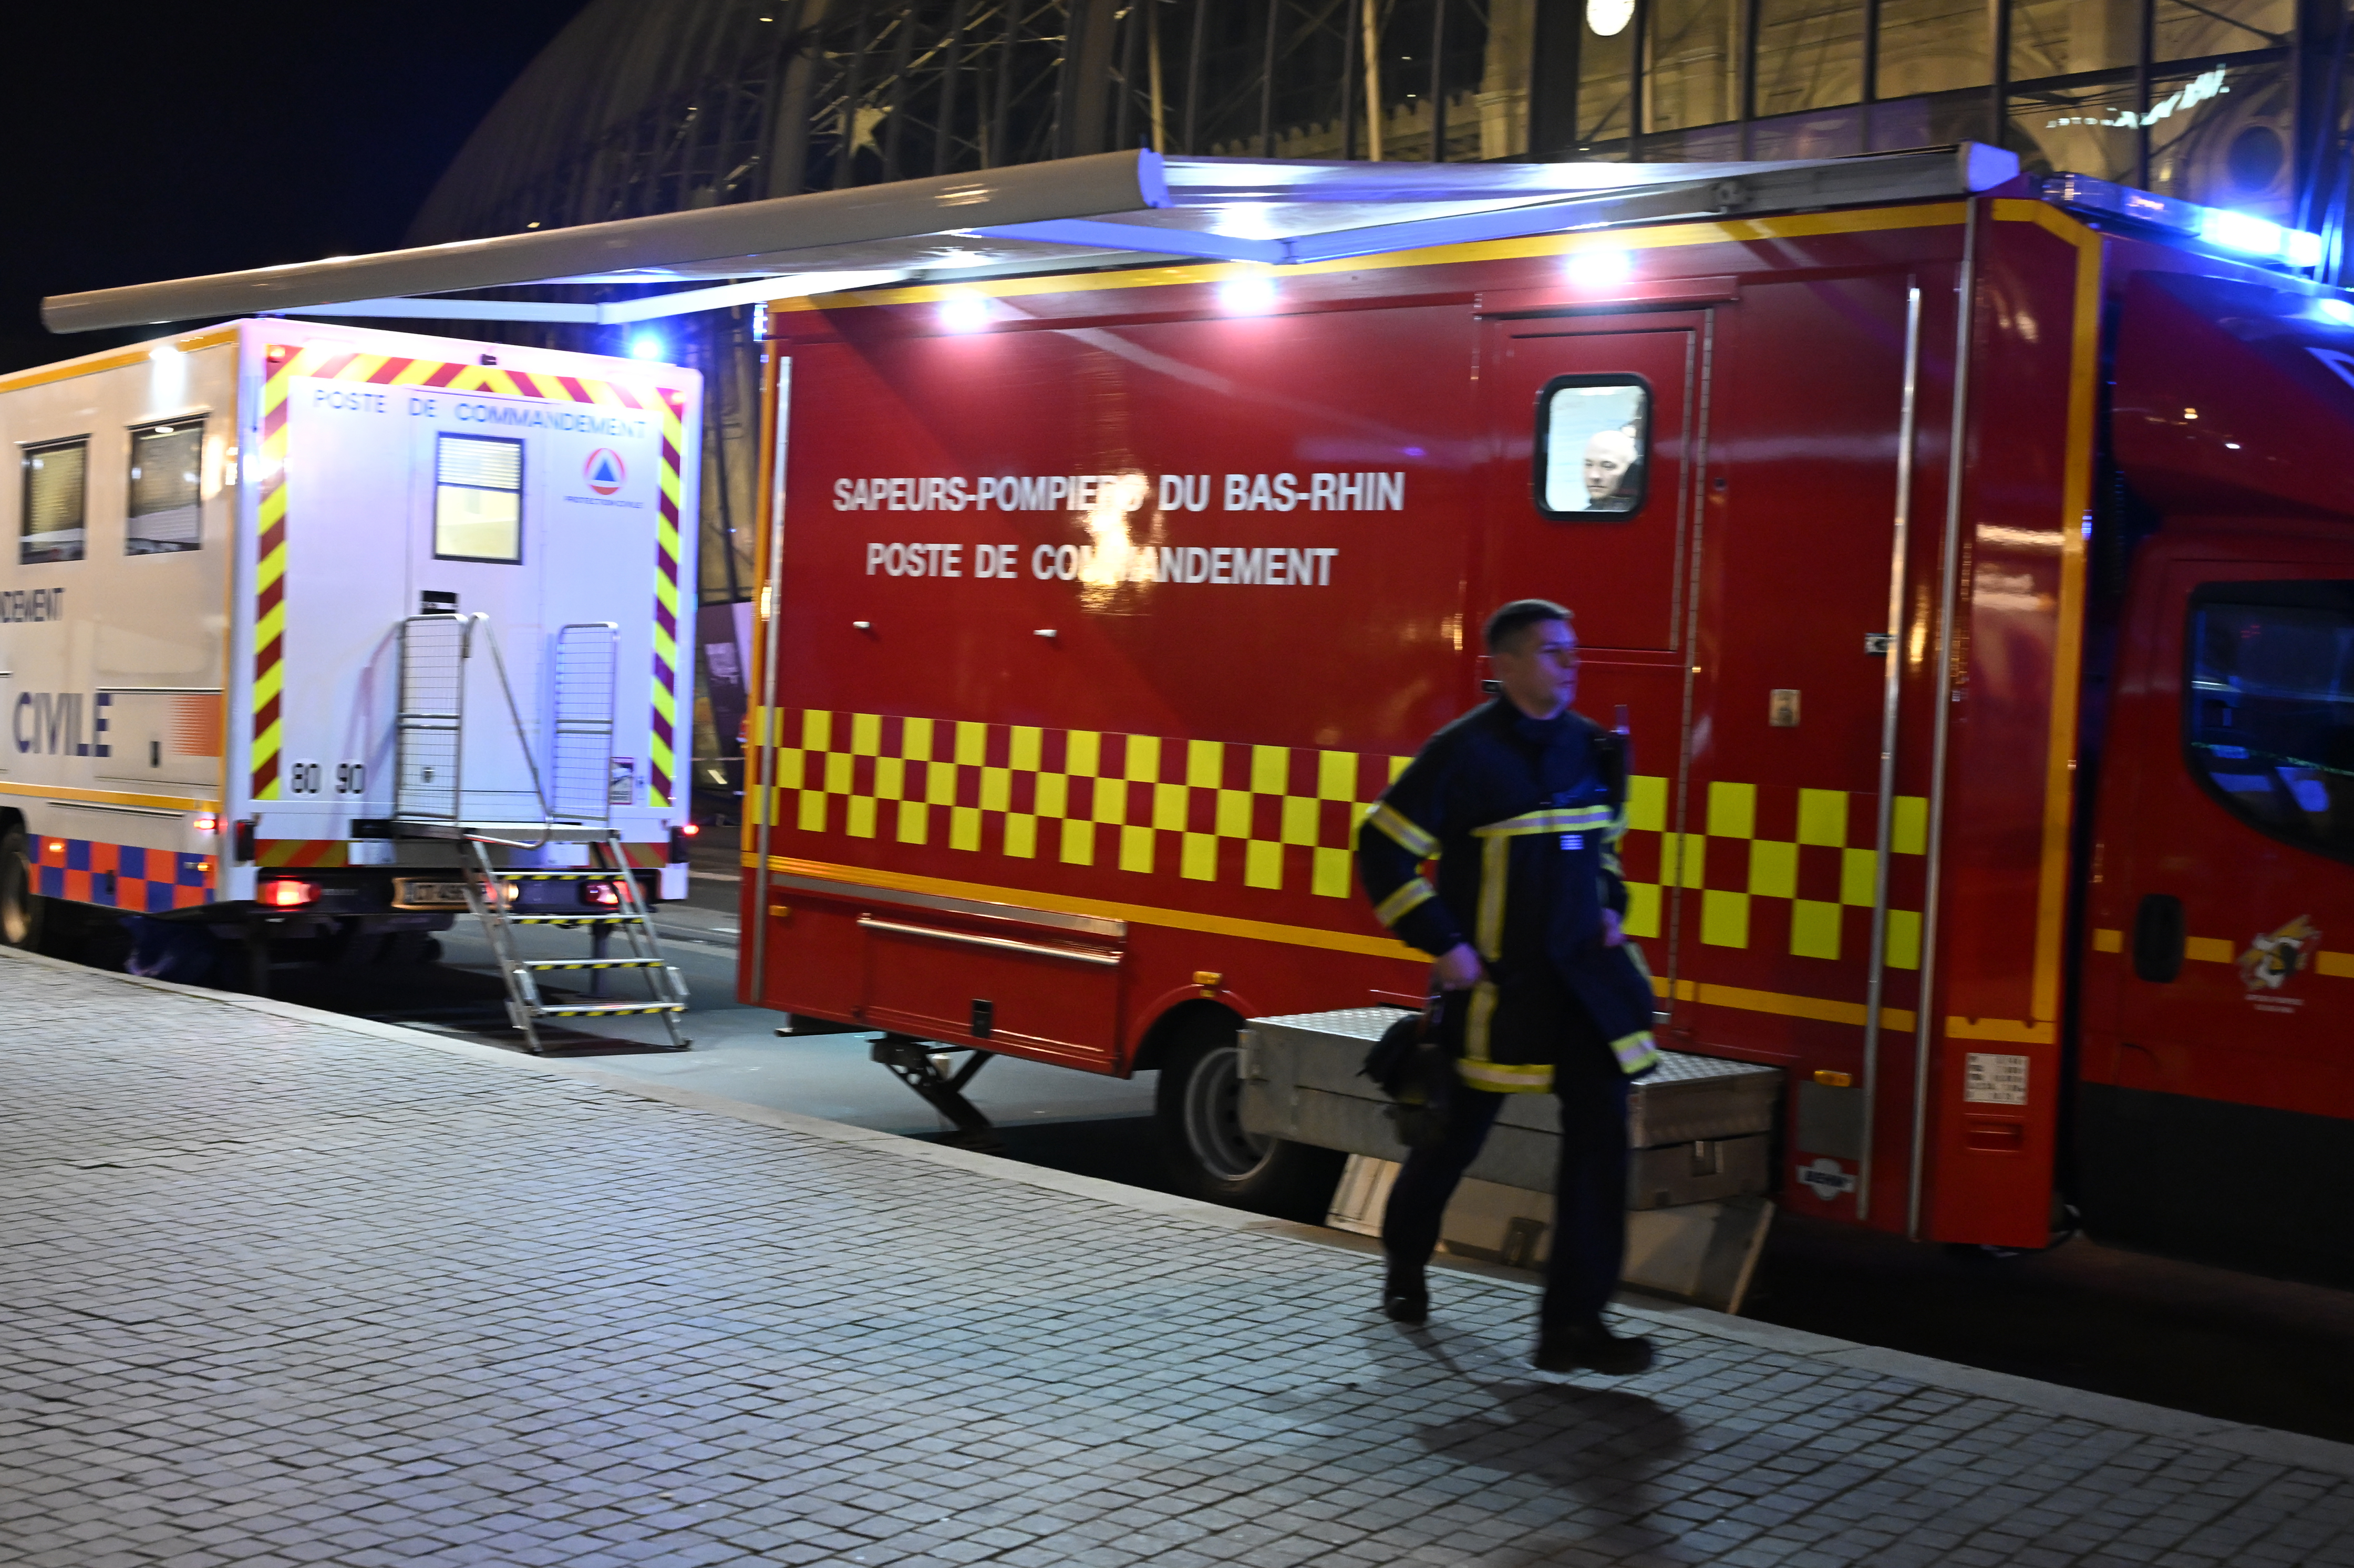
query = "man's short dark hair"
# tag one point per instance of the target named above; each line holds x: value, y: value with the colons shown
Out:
x: 1506, y: 625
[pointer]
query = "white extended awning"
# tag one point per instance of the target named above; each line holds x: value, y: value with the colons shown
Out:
x: 1074, y: 214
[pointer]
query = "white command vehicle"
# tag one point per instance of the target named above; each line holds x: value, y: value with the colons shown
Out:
x: 290, y: 613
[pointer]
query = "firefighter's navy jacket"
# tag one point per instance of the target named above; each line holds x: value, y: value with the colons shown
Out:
x: 1523, y: 817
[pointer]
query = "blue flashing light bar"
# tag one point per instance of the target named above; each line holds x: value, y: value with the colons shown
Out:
x: 2240, y: 233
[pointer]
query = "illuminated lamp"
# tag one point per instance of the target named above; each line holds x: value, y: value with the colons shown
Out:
x: 2338, y: 313
x: 645, y: 345
x: 1248, y: 295
x: 963, y: 313
x: 285, y: 893
x: 602, y: 892
x: 206, y: 824
x: 2240, y: 231
x: 1597, y: 268
x: 2300, y: 249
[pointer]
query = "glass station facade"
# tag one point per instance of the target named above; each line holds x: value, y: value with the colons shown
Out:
x: 652, y: 107
x: 2203, y: 101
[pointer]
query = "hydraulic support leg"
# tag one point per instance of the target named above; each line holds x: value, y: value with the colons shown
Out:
x: 922, y: 1066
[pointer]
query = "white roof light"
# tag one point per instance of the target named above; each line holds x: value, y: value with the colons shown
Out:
x: 1597, y: 268
x: 963, y: 313
x: 1248, y: 295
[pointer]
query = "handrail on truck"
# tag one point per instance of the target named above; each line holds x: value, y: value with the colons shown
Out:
x: 413, y: 720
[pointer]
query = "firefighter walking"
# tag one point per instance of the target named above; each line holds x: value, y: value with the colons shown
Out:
x: 1521, y: 803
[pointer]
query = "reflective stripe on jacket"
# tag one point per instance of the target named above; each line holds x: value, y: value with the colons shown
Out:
x: 1523, y: 818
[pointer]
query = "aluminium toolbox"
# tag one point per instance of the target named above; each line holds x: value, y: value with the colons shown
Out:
x: 1699, y: 1127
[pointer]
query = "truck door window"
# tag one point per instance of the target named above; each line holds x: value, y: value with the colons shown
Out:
x: 56, y: 476
x: 478, y: 499
x: 2269, y: 708
x: 1594, y: 435
x: 164, y: 516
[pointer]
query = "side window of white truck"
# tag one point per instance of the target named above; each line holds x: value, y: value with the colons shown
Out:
x: 1593, y: 435
x: 56, y: 492
x: 478, y: 498
x: 164, y: 514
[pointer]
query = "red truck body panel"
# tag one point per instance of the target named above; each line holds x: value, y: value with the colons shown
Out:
x: 1092, y: 753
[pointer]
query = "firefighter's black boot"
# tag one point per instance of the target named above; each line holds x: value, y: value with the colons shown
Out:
x: 1405, y: 1298
x: 1591, y: 1347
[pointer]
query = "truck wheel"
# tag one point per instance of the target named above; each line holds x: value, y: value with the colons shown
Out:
x: 1208, y: 1153
x: 23, y: 912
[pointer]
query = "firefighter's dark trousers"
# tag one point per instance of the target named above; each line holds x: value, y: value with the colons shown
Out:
x: 1589, y: 1233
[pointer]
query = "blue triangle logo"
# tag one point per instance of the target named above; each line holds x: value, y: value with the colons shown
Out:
x: 604, y: 472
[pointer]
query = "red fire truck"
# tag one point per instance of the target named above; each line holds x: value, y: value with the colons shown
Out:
x: 1973, y: 572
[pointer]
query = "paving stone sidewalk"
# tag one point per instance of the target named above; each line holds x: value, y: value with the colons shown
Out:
x: 279, y: 1291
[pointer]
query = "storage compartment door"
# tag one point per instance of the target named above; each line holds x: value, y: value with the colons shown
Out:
x: 1018, y: 990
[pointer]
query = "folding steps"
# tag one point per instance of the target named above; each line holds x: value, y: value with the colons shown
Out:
x: 490, y: 892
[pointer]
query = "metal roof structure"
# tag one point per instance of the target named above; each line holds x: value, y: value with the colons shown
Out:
x: 1108, y: 209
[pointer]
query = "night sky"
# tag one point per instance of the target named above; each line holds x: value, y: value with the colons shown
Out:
x: 156, y: 141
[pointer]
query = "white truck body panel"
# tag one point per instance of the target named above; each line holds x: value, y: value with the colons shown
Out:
x: 173, y: 671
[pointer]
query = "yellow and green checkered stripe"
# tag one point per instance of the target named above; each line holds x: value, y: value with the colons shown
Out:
x: 1813, y: 859
x: 1272, y: 817
x: 1277, y: 818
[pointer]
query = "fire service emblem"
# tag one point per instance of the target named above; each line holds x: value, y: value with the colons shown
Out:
x: 2272, y: 956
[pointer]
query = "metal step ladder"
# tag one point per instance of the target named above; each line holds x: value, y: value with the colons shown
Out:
x: 488, y: 892
x: 432, y: 799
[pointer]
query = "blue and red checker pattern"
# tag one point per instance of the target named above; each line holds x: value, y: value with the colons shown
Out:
x: 123, y: 877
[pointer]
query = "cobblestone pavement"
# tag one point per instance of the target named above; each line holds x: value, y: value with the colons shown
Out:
x: 279, y: 1291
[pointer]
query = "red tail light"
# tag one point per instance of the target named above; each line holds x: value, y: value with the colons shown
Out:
x: 285, y: 893
x: 603, y: 893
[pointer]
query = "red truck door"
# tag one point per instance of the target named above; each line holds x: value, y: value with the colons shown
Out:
x: 2216, y: 1083
x: 2217, y: 1077
x: 1598, y: 421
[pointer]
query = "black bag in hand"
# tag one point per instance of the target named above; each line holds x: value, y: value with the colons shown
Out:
x: 1417, y: 1071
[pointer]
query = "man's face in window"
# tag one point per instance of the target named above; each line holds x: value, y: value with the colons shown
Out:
x: 1608, y: 455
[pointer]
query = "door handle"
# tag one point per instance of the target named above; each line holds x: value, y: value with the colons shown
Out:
x: 2159, y: 938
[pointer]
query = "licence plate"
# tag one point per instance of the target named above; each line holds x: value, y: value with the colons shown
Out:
x: 410, y: 893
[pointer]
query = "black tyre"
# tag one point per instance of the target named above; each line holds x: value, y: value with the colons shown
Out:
x: 1210, y: 1156
x: 24, y: 913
